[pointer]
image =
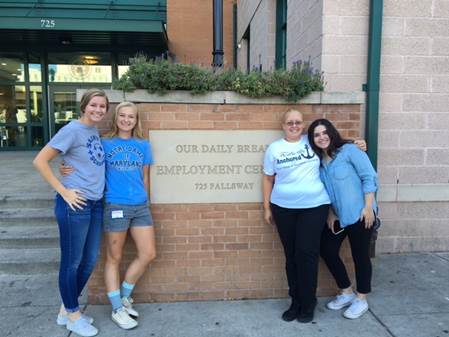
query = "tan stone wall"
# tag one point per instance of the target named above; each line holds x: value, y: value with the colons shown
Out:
x: 345, y: 44
x: 413, y: 138
x: 260, y: 18
x: 414, y: 121
x: 219, y: 251
x: 246, y: 10
x: 263, y: 36
x: 189, y: 30
x: 305, y: 32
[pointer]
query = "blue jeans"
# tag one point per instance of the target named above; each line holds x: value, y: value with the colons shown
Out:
x: 80, y: 238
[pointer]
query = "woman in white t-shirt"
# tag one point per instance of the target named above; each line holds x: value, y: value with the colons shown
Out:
x: 296, y: 201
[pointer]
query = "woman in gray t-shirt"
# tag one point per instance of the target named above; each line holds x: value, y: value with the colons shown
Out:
x: 78, y: 204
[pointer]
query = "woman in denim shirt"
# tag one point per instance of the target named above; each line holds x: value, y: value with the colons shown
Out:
x: 351, y: 183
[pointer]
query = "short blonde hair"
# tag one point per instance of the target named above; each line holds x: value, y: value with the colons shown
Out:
x: 288, y: 112
x: 91, y: 93
x: 137, y: 130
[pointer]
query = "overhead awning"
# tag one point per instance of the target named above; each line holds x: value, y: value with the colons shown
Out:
x: 113, y: 20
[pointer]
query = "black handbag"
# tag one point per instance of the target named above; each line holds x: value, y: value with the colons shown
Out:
x: 377, y: 223
x: 372, y: 247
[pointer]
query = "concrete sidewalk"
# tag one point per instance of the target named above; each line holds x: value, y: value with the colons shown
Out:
x: 410, y: 298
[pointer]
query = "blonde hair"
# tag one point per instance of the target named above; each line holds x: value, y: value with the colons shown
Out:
x: 288, y: 112
x: 137, y: 130
x: 89, y: 94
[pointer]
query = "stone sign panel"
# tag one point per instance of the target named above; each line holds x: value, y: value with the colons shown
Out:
x: 196, y: 166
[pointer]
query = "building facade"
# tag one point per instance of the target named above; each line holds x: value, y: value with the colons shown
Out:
x: 413, y: 114
x: 51, y: 48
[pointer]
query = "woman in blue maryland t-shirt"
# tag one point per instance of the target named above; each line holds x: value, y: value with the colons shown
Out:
x: 128, y: 158
x: 351, y: 183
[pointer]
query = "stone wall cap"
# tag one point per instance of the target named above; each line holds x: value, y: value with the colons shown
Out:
x: 227, y: 97
x: 413, y: 193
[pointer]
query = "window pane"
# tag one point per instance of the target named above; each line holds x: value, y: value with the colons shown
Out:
x: 11, y: 136
x: 80, y: 67
x: 65, y: 108
x: 36, y: 104
x: 122, y: 70
x: 12, y: 104
x: 34, y: 66
x: 12, y: 67
x: 35, y: 72
x: 37, y: 136
x: 21, y: 104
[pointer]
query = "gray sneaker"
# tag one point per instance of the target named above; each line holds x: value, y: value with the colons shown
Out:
x: 341, y: 301
x: 63, y: 319
x: 122, y: 319
x: 82, y: 328
x: 357, y: 309
x: 128, y: 304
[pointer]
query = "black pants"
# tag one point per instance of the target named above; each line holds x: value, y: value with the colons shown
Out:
x: 300, y: 234
x: 359, y: 240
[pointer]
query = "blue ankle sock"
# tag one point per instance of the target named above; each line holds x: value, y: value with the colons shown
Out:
x: 114, y: 298
x: 126, y: 289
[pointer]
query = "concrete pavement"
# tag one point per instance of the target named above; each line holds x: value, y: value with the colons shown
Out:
x: 410, y: 299
x: 410, y: 296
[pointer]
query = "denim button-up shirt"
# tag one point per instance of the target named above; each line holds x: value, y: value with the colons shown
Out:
x: 347, y: 178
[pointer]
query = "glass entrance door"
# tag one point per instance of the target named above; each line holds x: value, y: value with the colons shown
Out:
x: 63, y: 105
x: 68, y: 72
x: 22, y: 102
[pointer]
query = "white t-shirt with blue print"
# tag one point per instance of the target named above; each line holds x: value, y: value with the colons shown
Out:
x: 297, y: 182
x: 125, y: 159
x: 80, y: 147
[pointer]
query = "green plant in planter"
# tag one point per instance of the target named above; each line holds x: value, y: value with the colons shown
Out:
x: 160, y: 76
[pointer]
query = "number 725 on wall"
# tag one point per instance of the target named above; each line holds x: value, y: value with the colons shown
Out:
x: 48, y: 23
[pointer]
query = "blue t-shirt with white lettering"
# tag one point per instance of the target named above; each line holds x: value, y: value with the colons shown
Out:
x: 125, y: 159
x: 81, y: 148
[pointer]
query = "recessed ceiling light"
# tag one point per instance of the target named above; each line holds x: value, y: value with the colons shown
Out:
x: 90, y: 60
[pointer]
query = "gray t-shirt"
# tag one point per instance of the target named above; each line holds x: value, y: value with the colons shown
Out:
x: 80, y: 146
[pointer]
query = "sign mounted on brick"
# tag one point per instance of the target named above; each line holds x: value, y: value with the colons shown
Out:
x: 193, y: 166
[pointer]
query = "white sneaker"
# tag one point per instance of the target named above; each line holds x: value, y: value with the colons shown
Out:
x: 128, y: 304
x: 82, y: 327
x: 123, y: 320
x: 341, y: 301
x: 357, y: 309
x: 63, y: 319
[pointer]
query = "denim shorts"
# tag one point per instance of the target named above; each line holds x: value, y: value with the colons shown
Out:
x: 118, y: 217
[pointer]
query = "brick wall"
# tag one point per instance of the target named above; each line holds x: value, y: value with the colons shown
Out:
x: 219, y: 251
x: 189, y: 30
